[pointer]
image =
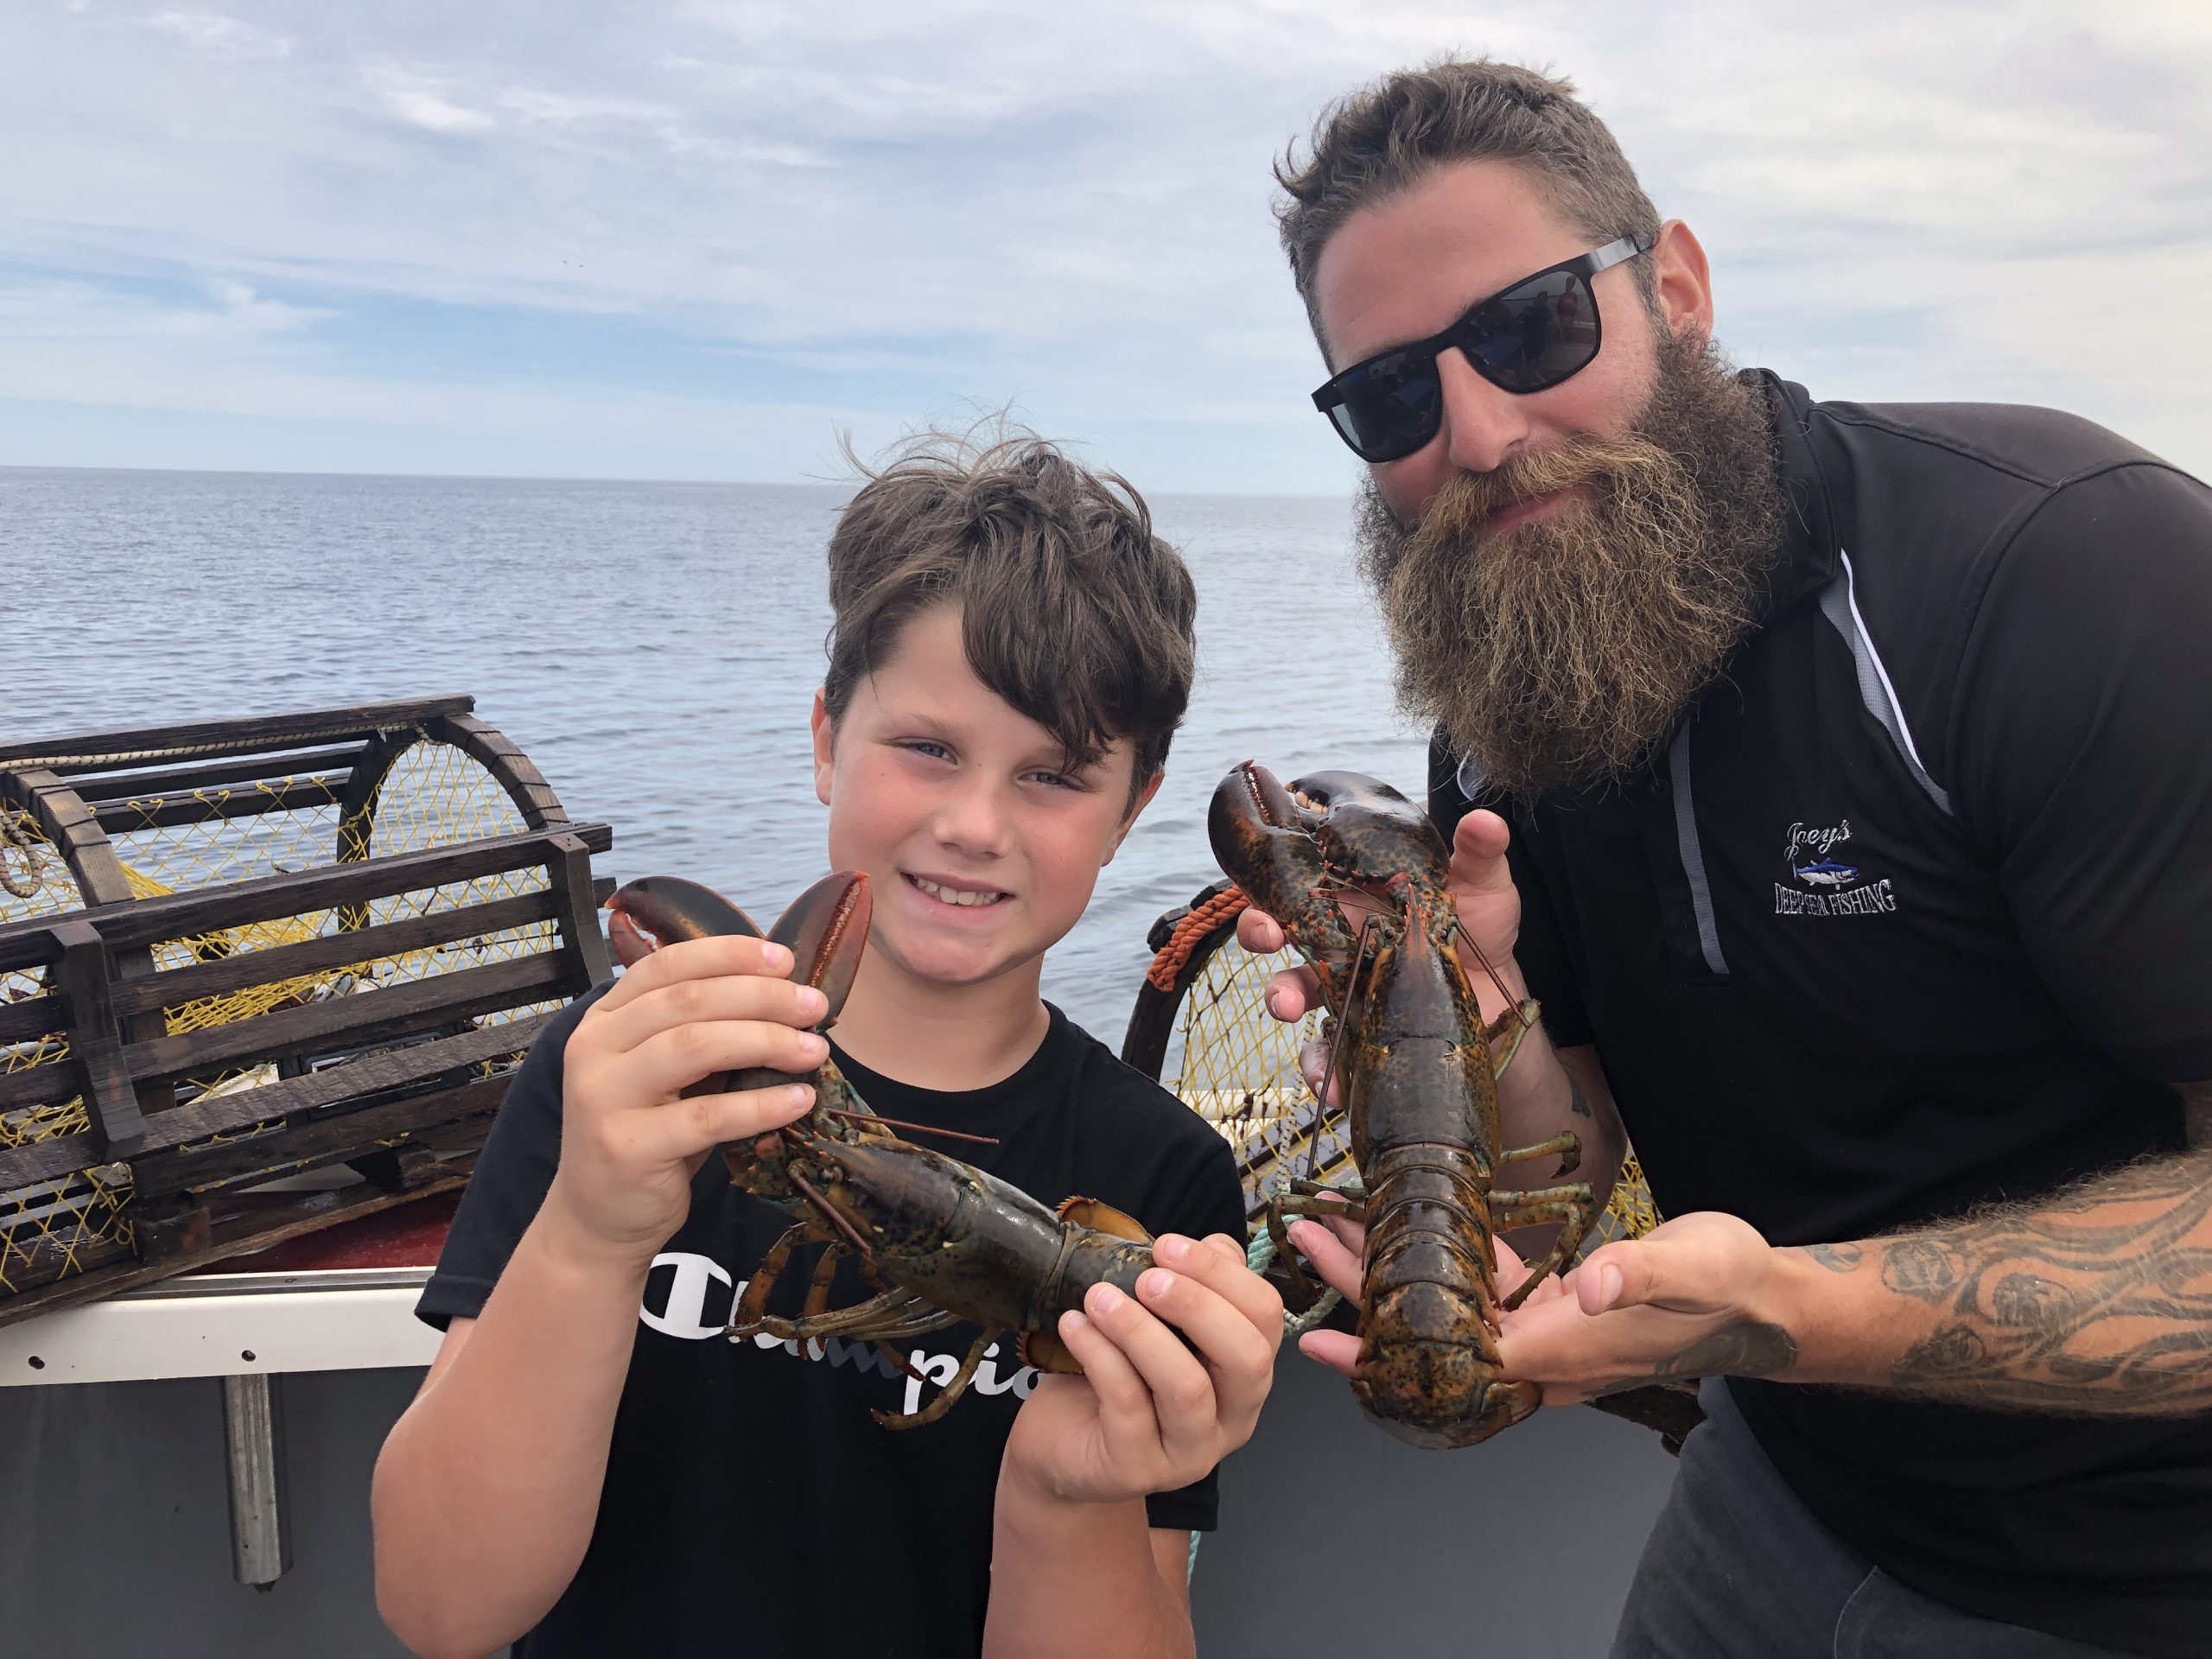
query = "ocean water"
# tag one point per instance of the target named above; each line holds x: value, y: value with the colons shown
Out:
x: 653, y: 648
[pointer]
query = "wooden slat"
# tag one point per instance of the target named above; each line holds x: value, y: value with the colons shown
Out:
x: 311, y: 1146
x: 255, y: 732
x: 489, y: 747
x: 585, y: 944
x: 49, y: 1159
x: 346, y: 1022
x: 94, y: 1052
x: 149, y: 921
x: 178, y: 986
x: 334, y: 1085
x: 167, y: 811
x: 38, y: 1016
x: 234, y: 1235
x: 39, y: 1085
x: 142, y: 785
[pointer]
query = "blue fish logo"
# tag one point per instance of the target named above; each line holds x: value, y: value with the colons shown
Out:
x: 1826, y: 873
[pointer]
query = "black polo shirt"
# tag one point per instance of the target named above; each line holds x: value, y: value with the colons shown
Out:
x: 1914, y: 912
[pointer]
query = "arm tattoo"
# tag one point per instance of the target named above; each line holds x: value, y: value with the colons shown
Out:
x: 2096, y: 1300
x: 1577, y: 1102
x: 1746, y: 1348
x: 1837, y: 1258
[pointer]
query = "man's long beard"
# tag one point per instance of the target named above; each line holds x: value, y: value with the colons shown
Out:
x: 1559, y: 651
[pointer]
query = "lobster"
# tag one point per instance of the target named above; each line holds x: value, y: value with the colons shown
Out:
x: 940, y: 1240
x: 1418, y: 1072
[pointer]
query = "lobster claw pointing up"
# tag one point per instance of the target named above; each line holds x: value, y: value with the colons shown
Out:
x: 825, y: 930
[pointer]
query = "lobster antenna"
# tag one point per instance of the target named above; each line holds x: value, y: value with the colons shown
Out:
x: 901, y: 1123
x: 837, y: 1218
x: 1483, y: 957
x: 1321, y: 1100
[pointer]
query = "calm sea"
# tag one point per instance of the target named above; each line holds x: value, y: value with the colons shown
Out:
x: 654, y: 648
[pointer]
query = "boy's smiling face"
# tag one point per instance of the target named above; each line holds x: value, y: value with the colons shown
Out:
x: 982, y: 845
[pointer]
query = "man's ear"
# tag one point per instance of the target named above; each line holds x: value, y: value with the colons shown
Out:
x: 1130, y: 819
x: 825, y: 738
x: 1684, y: 282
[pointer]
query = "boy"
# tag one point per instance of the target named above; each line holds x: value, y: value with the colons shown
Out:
x: 587, y: 1461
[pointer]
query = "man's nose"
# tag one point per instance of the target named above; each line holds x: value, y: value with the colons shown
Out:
x: 1483, y: 426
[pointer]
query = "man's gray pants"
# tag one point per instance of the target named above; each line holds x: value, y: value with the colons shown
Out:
x: 1738, y: 1568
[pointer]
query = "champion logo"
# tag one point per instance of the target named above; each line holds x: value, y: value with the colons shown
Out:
x: 684, y: 1314
x: 1822, y: 883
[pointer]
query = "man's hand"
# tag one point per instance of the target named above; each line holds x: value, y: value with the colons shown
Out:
x: 630, y: 1139
x: 1695, y: 1297
x: 1148, y: 1415
x: 1490, y: 909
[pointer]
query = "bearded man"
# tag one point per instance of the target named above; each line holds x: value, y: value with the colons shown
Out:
x: 1858, y: 765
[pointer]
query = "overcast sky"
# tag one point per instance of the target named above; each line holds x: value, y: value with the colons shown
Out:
x: 694, y: 238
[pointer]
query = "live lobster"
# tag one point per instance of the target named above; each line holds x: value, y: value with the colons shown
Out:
x: 1417, y: 1068
x: 940, y: 1240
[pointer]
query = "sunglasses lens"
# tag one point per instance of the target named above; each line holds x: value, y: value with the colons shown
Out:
x: 1530, y: 337
x: 1534, y: 335
x: 1390, y: 404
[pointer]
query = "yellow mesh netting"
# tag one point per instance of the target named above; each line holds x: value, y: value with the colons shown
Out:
x: 433, y: 795
x: 1235, y: 1064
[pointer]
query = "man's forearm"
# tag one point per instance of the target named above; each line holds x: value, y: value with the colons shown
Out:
x: 2096, y: 1300
x: 487, y: 1490
x: 1079, y: 1579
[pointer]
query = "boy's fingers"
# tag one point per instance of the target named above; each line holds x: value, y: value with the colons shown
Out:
x: 703, y: 1001
x: 1125, y: 1405
x: 684, y: 1129
x: 671, y: 1061
x: 1218, y: 1264
x: 1178, y: 1386
x: 730, y: 953
x: 1238, y: 1356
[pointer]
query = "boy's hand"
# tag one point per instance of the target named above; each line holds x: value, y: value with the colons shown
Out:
x: 630, y: 1142
x: 1148, y: 1415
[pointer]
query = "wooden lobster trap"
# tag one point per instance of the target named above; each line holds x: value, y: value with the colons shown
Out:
x: 235, y: 954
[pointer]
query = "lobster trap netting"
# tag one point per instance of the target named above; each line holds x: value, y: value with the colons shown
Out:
x: 1235, y: 1064
x: 180, y: 839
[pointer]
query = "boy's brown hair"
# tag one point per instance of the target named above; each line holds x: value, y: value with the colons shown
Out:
x: 1071, y: 610
x: 1393, y: 133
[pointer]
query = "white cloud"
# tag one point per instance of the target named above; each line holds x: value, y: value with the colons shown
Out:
x: 211, y: 34
x: 1072, y: 202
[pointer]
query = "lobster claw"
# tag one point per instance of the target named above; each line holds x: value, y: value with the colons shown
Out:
x: 1263, y: 839
x: 825, y: 930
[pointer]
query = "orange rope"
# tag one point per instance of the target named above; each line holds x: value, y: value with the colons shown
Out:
x: 1174, y: 955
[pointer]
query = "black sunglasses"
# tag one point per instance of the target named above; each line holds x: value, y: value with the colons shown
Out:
x: 1528, y: 337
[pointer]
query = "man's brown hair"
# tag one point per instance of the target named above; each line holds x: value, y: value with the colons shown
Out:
x: 1071, y: 610
x: 1391, y: 135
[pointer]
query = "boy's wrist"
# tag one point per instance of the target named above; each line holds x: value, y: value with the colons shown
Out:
x: 579, y: 1253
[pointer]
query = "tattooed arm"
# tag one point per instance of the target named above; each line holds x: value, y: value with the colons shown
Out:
x: 2096, y: 1300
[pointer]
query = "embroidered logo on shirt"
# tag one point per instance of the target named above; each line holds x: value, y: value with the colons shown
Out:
x: 1826, y: 884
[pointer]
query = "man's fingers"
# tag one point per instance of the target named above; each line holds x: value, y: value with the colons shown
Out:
x: 1478, y: 851
x: 1291, y: 992
x: 1337, y: 1350
x: 1336, y: 1263
x: 1259, y: 932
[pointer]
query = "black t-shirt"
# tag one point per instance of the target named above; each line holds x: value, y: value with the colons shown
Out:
x: 1914, y: 912
x: 751, y: 1503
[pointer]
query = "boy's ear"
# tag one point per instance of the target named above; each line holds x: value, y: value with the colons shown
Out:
x: 825, y: 735
x: 1136, y: 809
